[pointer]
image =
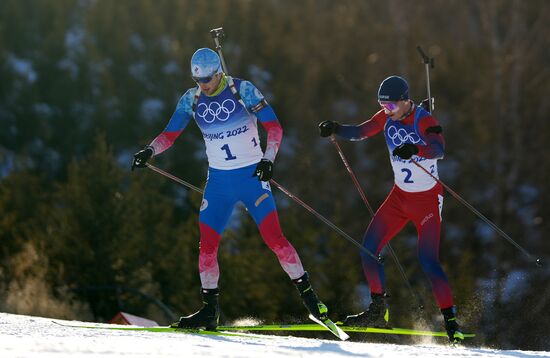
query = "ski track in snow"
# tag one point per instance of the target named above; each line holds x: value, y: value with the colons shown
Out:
x: 29, y: 337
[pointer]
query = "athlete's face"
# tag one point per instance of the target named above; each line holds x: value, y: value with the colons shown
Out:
x: 395, y: 110
x: 208, y: 88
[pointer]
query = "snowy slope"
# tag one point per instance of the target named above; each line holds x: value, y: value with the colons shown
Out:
x: 25, y: 336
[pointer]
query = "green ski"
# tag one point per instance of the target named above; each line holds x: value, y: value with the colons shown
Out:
x: 156, y: 329
x: 337, y: 329
x: 331, y: 326
x: 315, y: 327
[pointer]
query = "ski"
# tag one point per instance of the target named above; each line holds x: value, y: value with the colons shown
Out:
x: 331, y: 326
x: 337, y: 329
x: 400, y: 331
x: 159, y: 329
x: 316, y: 327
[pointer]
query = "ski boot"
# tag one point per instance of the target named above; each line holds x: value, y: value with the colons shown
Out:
x: 207, y: 317
x: 377, y: 315
x: 310, y: 299
x: 451, y: 325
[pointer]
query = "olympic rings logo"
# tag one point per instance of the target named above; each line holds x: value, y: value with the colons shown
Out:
x: 400, y: 136
x: 214, y: 110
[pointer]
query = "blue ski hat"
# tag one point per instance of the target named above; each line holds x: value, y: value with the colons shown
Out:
x: 393, y: 88
x: 205, y: 63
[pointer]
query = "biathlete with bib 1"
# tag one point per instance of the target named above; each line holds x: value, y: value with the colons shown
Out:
x: 226, y: 111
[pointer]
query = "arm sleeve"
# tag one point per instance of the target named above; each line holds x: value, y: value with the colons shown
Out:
x: 256, y: 103
x: 364, y: 130
x: 179, y: 120
x: 274, y: 137
x: 432, y: 135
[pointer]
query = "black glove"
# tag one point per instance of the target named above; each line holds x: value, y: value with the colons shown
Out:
x: 141, y: 157
x: 326, y: 128
x: 264, y: 170
x: 405, y: 150
x: 426, y: 104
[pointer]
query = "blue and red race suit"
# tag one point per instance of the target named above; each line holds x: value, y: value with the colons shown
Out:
x: 230, y: 132
x: 415, y: 197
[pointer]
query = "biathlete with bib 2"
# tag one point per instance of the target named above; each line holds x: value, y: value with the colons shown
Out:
x: 411, y: 134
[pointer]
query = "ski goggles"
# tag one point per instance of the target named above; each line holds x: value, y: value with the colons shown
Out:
x: 202, y: 79
x: 389, y: 106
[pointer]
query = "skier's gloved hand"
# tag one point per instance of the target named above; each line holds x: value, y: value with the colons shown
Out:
x: 405, y: 150
x: 425, y: 104
x: 326, y: 128
x: 264, y: 170
x: 141, y: 157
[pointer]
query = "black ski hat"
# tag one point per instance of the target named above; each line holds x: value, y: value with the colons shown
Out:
x: 393, y: 88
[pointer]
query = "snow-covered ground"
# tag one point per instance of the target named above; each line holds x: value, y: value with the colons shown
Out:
x: 25, y: 336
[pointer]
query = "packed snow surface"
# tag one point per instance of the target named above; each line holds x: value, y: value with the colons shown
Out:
x: 26, y: 336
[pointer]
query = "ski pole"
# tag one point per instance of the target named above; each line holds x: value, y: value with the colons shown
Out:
x: 365, y: 200
x: 325, y: 220
x: 352, y: 175
x: 537, y: 261
x: 174, y: 178
x: 219, y: 35
x: 292, y: 196
x: 428, y: 62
